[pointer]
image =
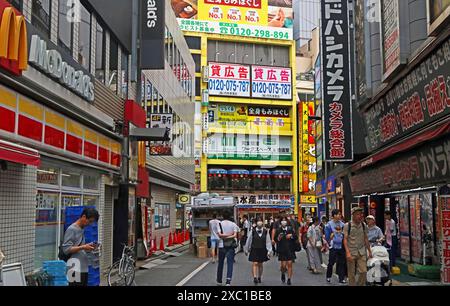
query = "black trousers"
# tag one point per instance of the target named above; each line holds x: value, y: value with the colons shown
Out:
x: 336, y: 257
x: 83, y: 281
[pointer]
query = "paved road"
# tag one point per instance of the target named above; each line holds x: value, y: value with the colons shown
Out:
x: 188, y: 270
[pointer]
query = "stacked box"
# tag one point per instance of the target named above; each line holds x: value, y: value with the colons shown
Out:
x: 57, y: 271
x: 94, y: 277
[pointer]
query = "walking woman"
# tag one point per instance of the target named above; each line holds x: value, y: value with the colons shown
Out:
x: 259, y: 245
x: 314, y: 245
x: 285, y: 236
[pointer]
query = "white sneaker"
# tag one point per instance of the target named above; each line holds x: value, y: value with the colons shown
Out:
x: 324, y: 266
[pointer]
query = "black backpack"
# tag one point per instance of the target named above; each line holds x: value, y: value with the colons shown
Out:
x: 350, y: 227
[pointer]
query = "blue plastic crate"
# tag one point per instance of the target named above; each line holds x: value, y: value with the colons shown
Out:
x: 61, y: 284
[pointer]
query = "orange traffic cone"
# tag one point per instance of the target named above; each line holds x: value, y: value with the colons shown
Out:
x: 180, y: 240
x: 170, y: 240
x: 154, y: 245
x: 161, y: 244
x: 175, y: 238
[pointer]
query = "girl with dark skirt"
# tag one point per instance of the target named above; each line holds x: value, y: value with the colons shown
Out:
x: 259, y: 245
x: 285, y: 237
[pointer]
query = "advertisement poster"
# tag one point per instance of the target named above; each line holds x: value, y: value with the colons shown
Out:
x: 281, y: 14
x: 271, y: 82
x: 308, y: 147
x: 187, y: 9
x: 391, y: 35
x: 416, y: 233
x: 336, y: 77
x: 235, y: 116
x: 161, y: 148
x: 445, y: 233
x: 264, y: 199
x: 249, y: 147
x: 404, y: 227
x: 252, y: 12
x: 229, y: 80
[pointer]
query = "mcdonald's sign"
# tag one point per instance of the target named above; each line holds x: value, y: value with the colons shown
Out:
x: 13, y: 39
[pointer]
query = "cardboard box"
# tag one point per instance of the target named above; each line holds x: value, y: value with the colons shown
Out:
x: 202, y: 252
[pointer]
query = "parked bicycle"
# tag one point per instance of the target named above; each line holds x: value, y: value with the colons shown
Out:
x: 122, y: 272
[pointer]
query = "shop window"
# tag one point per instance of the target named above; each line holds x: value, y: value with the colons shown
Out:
x: 48, y: 176
x: 40, y: 15
x: 217, y: 179
x: 281, y: 180
x: 212, y: 51
x: 193, y: 42
x: 90, y: 200
x: 84, y: 38
x: 100, y: 54
x: 113, y: 64
x: 198, y: 62
x: 71, y: 180
x: 64, y: 26
x: 260, y: 179
x: 240, y: 179
x: 124, y: 73
x: 90, y: 182
x: 162, y: 216
x: 46, y: 227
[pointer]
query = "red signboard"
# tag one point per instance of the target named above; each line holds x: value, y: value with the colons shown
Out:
x: 445, y: 225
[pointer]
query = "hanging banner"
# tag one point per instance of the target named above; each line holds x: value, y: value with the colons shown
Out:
x: 229, y: 80
x: 444, y: 216
x: 271, y: 82
x: 152, y: 34
x: 337, y: 98
x: 161, y: 147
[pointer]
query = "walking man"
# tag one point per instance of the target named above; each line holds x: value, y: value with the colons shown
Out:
x: 74, y: 245
x: 337, y: 253
x: 356, y: 244
x: 213, y: 229
x: 228, y: 231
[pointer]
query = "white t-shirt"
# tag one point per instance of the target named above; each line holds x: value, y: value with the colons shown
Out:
x: 229, y: 228
x: 392, y: 227
x: 213, y: 228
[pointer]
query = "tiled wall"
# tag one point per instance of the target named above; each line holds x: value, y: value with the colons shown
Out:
x: 17, y: 214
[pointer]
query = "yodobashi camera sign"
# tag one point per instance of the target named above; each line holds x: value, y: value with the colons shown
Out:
x: 52, y: 63
x: 152, y: 34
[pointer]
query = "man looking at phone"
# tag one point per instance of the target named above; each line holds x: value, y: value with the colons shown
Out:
x: 74, y: 245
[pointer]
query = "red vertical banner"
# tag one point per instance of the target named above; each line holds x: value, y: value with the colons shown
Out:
x: 444, y: 217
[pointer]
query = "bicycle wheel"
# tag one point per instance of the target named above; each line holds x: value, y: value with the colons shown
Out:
x: 128, y: 273
x: 115, y: 277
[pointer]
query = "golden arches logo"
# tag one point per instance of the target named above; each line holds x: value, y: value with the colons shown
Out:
x: 13, y: 38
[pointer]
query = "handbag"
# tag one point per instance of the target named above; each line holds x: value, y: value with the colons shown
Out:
x: 319, y: 244
x: 228, y: 242
x: 297, y: 246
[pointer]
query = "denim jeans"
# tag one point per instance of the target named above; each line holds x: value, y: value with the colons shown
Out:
x: 227, y: 253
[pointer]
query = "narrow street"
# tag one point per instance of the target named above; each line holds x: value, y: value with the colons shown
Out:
x: 188, y: 270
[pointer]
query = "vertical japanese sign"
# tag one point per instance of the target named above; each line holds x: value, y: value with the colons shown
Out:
x: 391, y: 35
x: 152, y: 34
x: 337, y: 103
x: 445, y: 235
x: 308, y: 149
x: 271, y: 82
x: 229, y: 80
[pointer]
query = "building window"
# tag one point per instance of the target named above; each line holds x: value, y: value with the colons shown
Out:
x: 46, y: 226
x: 41, y: 15
x: 198, y: 62
x: 100, y: 54
x: 193, y: 42
x: 18, y: 4
x: 70, y: 179
x: 64, y: 27
x: 162, y: 216
x: 124, y: 72
x: 84, y: 38
x: 197, y: 87
x: 113, y: 64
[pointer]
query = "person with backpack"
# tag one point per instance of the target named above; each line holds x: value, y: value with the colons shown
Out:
x: 228, y: 232
x: 75, y: 247
x: 357, y: 247
x: 259, y: 246
x: 284, y: 236
x: 337, y: 253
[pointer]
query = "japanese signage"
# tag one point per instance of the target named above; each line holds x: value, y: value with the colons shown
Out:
x: 308, y: 199
x: 308, y: 149
x: 232, y: 116
x: 152, y: 34
x: 337, y: 103
x: 264, y: 199
x: 249, y: 147
x: 439, y: 12
x: 229, y: 80
x: 444, y: 213
x: 421, y: 97
x: 161, y: 121
x: 230, y: 28
x: 13, y: 39
x: 428, y: 163
x: 238, y: 11
x: 271, y: 82
x: 391, y: 35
